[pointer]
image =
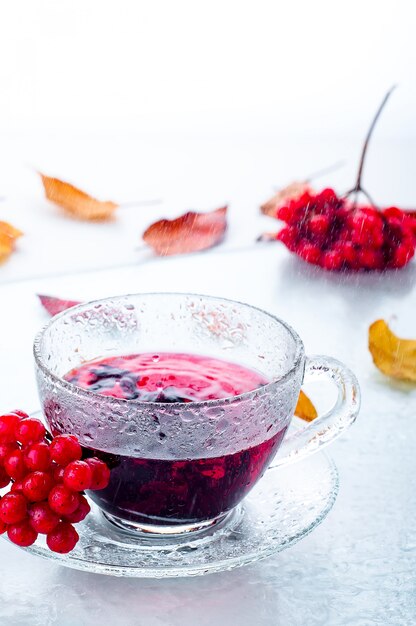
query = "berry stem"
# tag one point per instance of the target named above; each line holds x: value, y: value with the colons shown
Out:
x: 357, y: 187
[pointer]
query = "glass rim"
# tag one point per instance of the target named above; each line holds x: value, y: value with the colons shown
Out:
x: 71, y: 388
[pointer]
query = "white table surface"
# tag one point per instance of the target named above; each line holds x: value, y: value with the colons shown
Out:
x: 358, y: 567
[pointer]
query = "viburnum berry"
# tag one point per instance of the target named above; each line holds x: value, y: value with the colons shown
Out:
x: 80, y: 513
x: 337, y: 234
x: 318, y: 226
x: 4, y: 478
x: 64, y: 449
x: 30, y: 430
x: 402, y: 255
x: 8, y: 425
x: 288, y: 236
x: 6, y: 448
x: 63, y: 538
x: 22, y: 534
x: 370, y: 259
x: 100, y: 473
x: 37, y: 485
x: 17, y: 486
x: 366, y: 228
x: 309, y: 252
x: 46, y: 476
x: 78, y: 476
x: 62, y: 500
x: 58, y: 473
x: 37, y: 457
x: 13, y: 508
x: 14, y: 464
x: 42, y: 518
x: 332, y: 260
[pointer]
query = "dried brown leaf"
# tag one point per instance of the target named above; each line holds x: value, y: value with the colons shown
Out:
x: 75, y: 202
x: 190, y: 232
x: 393, y: 356
x: 281, y: 197
x: 305, y: 409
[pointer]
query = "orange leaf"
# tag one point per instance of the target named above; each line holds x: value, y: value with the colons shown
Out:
x: 282, y: 197
x: 393, y: 356
x: 305, y: 409
x: 189, y: 233
x: 76, y: 202
x: 8, y: 236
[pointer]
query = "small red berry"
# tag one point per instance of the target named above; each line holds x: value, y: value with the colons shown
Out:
x: 37, y: 457
x: 285, y: 213
x: 288, y: 236
x: 37, y: 485
x: 30, y: 430
x: 402, y: 255
x: 22, y: 534
x: 100, y: 473
x: 318, y: 226
x: 370, y: 259
x: 366, y: 228
x: 58, y: 473
x: 327, y: 195
x: 17, y: 486
x: 332, y: 260
x: 62, y: 500
x: 13, y: 508
x: 8, y: 425
x: 14, y: 464
x: 80, y: 513
x: 5, y: 449
x: 3, y: 527
x: 64, y: 449
x: 42, y: 518
x: 4, y: 478
x: 63, y: 538
x: 394, y: 212
x: 348, y: 253
x: 309, y: 253
x: 78, y: 476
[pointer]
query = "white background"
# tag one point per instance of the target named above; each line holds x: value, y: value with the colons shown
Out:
x: 294, y: 66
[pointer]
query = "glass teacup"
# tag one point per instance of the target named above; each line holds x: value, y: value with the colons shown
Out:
x: 178, y: 467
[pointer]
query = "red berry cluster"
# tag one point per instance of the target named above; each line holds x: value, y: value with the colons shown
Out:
x: 326, y: 230
x: 47, y: 477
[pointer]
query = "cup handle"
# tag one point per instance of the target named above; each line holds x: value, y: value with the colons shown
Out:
x: 327, y: 427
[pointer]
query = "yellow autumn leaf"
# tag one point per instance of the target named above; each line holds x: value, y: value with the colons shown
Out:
x: 305, y: 409
x: 393, y: 356
x: 8, y: 236
x: 75, y: 202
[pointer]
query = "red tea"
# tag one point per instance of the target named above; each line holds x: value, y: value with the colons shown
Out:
x: 180, y: 491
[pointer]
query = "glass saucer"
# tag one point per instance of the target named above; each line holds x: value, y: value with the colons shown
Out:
x: 285, y: 506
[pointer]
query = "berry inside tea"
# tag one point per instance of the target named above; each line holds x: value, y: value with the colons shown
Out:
x: 183, y: 490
